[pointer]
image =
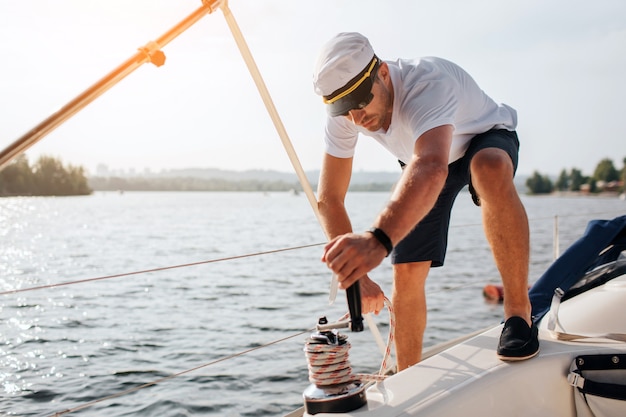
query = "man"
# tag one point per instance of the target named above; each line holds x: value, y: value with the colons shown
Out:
x: 446, y: 133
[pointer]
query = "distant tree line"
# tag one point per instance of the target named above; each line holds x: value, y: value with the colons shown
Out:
x: 208, y: 184
x: 46, y: 177
x: 187, y: 184
x: 605, y: 177
x: 49, y: 177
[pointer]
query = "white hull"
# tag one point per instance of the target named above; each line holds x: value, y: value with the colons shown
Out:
x: 469, y: 380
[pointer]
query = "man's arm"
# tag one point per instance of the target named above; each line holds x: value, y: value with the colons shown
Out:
x: 351, y: 255
x: 420, y: 185
x: 331, y: 192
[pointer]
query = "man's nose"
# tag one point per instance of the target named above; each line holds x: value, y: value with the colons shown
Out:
x: 356, y: 115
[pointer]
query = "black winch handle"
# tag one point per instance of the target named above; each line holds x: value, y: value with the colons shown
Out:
x: 353, y: 294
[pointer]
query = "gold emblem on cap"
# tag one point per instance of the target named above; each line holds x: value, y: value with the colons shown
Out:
x: 354, y: 86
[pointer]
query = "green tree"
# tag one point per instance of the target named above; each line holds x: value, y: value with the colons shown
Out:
x: 539, y: 184
x: 16, y: 178
x: 48, y: 176
x: 562, y: 183
x: 576, y: 179
x: 78, y: 180
x: 605, y: 171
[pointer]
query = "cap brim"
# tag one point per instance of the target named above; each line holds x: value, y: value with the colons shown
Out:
x: 357, y: 99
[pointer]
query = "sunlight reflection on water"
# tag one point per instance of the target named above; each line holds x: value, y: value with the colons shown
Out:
x: 65, y: 346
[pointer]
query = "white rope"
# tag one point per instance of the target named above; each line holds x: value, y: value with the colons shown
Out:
x: 329, y: 364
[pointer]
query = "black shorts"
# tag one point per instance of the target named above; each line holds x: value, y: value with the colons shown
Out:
x: 429, y: 239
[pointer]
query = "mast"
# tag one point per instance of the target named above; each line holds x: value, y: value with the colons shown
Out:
x: 151, y: 52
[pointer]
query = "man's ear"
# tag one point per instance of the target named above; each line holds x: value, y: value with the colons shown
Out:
x: 383, y: 71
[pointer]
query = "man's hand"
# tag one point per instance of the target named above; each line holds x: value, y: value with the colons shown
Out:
x: 352, y: 256
x: 372, y: 296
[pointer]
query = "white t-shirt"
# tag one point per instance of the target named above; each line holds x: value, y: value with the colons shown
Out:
x: 428, y: 92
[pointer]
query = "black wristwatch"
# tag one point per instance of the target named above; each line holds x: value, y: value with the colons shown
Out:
x: 382, y: 237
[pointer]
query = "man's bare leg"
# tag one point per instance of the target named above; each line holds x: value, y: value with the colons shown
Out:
x: 506, y: 227
x: 409, y: 303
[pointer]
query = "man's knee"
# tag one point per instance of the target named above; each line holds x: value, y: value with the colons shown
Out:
x: 492, y: 174
x: 411, y: 274
x: 491, y: 163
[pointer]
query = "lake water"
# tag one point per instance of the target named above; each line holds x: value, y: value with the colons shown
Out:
x: 63, y: 347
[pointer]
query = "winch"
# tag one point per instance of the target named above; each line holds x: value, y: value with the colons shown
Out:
x: 334, y: 388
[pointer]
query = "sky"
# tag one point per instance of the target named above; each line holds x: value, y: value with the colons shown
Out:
x: 560, y: 63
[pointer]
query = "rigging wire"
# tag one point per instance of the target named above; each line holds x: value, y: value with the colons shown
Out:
x: 158, y: 269
x: 160, y: 380
x: 378, y: 377
x: 230, y: 258
x: 52, y: 122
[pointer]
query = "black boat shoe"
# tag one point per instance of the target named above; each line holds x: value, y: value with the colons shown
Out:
x: 518, y: 341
